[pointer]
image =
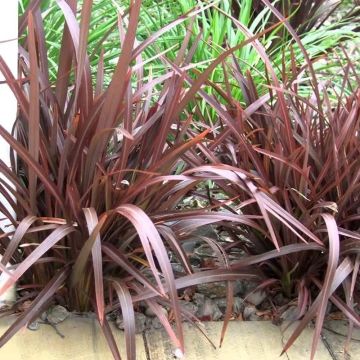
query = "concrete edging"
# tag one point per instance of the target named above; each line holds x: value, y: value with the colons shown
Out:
x: 245, y: 340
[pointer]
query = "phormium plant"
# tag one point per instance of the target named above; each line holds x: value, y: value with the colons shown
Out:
x: 99, y: 171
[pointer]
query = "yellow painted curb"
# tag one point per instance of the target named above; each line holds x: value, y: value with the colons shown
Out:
x: 83, y: 339
x: 245, y: 340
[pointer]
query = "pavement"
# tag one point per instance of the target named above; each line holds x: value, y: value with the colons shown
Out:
x: 246, y: 340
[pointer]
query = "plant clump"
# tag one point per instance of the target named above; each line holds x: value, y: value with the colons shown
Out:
x: 129, y: 186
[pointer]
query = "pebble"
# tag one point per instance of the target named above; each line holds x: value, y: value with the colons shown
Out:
x: 280, y: 300
x: 256, y: 297
x: 191, y: 307
x: 290, y: 314
x: 206, y: 231
x: 140, y: 322
x: 111, y: 316
x: 57, y: 314
x: 150, y: 313
x: 265, y: 305
x: 216, y: 290
x: 156, y: 323
x: 148, y: 322
x: 43, y: 316
x: 34, y: 326
x: 189, y: 245
x: 177, y: 268
x: 204, y: 251
x: 209, y: 310
x: 248, y: 286
x: 249, y: 313
x: 199, y: 298
x: 195, y: 261
x: 328, y: 308
x: 238, y: 305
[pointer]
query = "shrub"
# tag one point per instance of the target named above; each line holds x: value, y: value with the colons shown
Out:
x: 99, y: 173
x: 304, y: 153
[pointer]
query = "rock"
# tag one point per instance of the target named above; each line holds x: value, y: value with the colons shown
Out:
x: 235, y: 254
x: 198, y: 298
x: 191, y: 307
x: 206, y: 231
x: 204, y: 251
x: 148, y: 322
x: 189, y: 245
x: 177, y: 268
x: 221, y: 303
x: 225, y: 237
x: 249, y: 313
x: 213, y: 290
x: 194, y: 261
x: 238, y: 305
x: 140, y: 322
x: 150, y: 313
x: 34, y: 326
x: 328, y: 308
x: 265, y: 305
x: 256, y: 297
x: 148, y: 273
x: 195, y: 245
x: 280, y: 300
x: 240, y: 287
x: 112, y: 316
x: 290, y: 314
x: 217, y: 290
x: 43, y: 316
x: 254, y: 317
x: 209, y: 311
x: 248, y: 286
x: 57, y: 314
x: 156, y: 323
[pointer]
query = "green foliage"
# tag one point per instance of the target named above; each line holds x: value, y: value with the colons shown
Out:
x: 212, y: 31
